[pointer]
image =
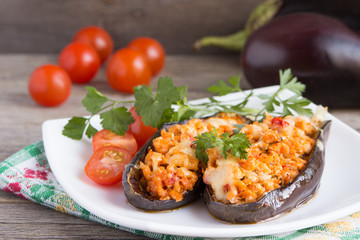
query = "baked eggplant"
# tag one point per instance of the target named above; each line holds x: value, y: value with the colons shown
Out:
x: 280, y: 200
x: 135, y: 190
x: 135, y: 185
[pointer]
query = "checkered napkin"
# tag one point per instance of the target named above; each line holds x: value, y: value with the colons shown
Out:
x: 28, y: 175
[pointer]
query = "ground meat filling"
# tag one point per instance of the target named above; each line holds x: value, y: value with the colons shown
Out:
x: 172, y: 168
x: 279, y: 151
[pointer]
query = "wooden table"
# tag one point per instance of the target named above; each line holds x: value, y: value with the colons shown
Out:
x: 21, y: 120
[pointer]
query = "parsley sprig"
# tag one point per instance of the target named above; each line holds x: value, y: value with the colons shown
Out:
x: 157, y: 108
x: 295, y: 103
x: 154, y: 108
x: 234, y: 143
x: 271, y: 102
x: 116, y: 119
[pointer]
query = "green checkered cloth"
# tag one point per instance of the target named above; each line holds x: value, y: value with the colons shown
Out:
x: 28, y: 175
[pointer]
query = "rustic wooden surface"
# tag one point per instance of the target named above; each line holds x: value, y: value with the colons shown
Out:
x: 20, y: 125
x: 42, y: 26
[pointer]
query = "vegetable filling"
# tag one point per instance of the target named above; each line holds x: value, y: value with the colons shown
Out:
x: 172, y: 168
x: 279, y: 151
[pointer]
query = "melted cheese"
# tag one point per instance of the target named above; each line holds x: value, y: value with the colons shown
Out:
x: 217, y: 122
x: 221, y: 176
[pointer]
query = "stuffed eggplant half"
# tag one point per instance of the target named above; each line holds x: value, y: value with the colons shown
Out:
x: 165, y: 174
x: 282, y: 171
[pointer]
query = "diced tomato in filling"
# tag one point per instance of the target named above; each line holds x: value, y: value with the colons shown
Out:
x: 278, y: 122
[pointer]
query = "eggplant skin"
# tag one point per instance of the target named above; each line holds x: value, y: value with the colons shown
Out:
x: 137, y: 195
x: 281, y: 200
x: 346, y: 11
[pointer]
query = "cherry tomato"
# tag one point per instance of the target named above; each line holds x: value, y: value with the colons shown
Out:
x: 80, y: 61
x: 126, y: 69
x: 49, y: 85
x: 141, y: 132
x: 107, y: 164
x: 153, y: 50
x: 97, y: 38
x: 108, y: 138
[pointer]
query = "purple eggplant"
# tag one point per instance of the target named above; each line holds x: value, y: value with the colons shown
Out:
x: 321, y: 51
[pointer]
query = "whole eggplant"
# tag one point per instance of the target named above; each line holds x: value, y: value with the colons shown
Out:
x: 321, y: 51
x: 280, y: 200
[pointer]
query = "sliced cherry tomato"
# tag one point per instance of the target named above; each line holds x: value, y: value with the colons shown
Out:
x: 97, y: 38
x: 80, y: 61
x: 106, y: 137
x: 153, y: 50
x: 126, y: 69
x: 141, y: 132
x: 107, y: 164
x: 49, y: 85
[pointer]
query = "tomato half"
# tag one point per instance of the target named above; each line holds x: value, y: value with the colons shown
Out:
x: 153, y: 51
x: 97, y: 38
x: 49, y: 85
x: 141, y: 132
x: 126, y: 69
x: 80, y: 61
x: 106, y: 137
x: 107, y: 164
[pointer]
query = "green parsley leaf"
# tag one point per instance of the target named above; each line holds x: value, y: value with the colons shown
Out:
x: 235, y: 144
x: 297, y: 104
x: 203, y: 143
x: 166, y: 117
x: 117, y: 120
x: 90, y: 131
x: 93, y: 100
x: 151, y: 106
x: 222, y: 88
x: 289, y: 82
x: 270, y: 103
x: 238, y: 128
x: 75, y: 128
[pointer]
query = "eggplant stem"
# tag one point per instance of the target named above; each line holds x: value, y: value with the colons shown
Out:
x: 262, y: 14
x: 233, y: 42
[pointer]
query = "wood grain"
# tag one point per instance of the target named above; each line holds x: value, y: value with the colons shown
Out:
x: 21, y: 120
x: 41, y: 26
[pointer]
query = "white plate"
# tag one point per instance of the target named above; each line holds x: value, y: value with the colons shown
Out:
x: 338, y: 196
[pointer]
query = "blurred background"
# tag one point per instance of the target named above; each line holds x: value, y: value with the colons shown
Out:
x: 40, y: 26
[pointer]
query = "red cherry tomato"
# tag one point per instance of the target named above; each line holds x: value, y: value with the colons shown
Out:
x: 108, y: 138
x: 126, y: 69
x: 153, y: 51
x: 97, y: 38
x: 49, y: 85
x: 107, y: 164
x: 80, y: 61
x: 141, y: 132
